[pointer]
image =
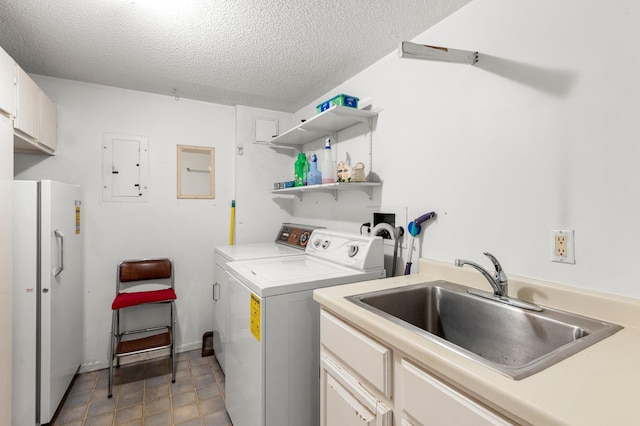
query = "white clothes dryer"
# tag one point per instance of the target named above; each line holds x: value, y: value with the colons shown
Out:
x: 290, y: 240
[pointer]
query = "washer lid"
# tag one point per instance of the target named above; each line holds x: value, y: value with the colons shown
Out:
x: 268, y: 277
x: 255, y: 251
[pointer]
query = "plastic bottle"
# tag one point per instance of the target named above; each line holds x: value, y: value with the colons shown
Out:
x: 328, y: 166
x: 314, y: 177
x: 300, y: 168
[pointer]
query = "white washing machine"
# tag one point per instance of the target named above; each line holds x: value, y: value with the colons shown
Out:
x: 273, y: 354
x: 290, y: 240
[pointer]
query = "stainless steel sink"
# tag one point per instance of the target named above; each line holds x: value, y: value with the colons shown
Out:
x: 513, y: 341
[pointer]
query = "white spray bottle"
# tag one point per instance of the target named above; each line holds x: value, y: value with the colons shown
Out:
x: 328, y: 166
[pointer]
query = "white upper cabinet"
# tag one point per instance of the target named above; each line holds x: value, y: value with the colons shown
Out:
x: 35, y: 123
x: 7, y: 84
x: 34, y: 115
x: 48, y: 122
x: 27, y: 120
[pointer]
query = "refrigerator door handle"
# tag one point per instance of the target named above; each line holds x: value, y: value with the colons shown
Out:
x: 216, y: 294
x: 60, y: 268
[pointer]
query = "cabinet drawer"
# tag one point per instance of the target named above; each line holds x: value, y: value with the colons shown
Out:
x: 430, y: 401
x: 364, y: 355
x: 344, y: 402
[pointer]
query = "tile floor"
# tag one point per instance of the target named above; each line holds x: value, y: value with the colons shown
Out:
x: 144, y: 395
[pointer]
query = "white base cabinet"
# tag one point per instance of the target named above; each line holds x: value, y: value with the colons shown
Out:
x: 366, y: 382
x: 425, y: 400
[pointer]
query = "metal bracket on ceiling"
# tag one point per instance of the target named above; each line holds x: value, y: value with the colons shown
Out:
x: 436, y: 53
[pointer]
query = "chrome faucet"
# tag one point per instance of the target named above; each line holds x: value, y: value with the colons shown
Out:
x: 499, y: 284
x: 498, y: 280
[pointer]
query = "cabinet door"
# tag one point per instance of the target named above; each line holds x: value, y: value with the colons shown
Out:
x: 220, y: 309
x: 428, y: 401
x: 27, y: 120
x: 48, y: 122
x: 344, y: 402
x: 364, y: 355
x: 7, y: 84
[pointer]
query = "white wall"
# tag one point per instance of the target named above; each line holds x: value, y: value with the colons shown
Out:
x: 186, y: 230
x: 258, y: 217
x: 541, y: 134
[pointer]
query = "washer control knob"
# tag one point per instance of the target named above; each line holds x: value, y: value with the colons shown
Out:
x: 304, y: 238
x: 316, y: 243
x: 353, y: 250
x: 325, y: 244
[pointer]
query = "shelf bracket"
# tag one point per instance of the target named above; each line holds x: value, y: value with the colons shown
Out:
x: 436, y: 53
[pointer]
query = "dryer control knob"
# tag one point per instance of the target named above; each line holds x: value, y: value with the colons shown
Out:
x: 325, y: 244
x: 316, y: 243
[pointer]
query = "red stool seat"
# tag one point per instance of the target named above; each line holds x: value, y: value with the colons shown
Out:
x: 125, y: 300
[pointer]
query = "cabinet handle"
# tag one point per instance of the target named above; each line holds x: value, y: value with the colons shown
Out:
x: 59, y: 269
x: 216, y: 294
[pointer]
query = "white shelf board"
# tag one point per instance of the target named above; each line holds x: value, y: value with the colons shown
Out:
x: 330, y: 187
x: 332, y: 120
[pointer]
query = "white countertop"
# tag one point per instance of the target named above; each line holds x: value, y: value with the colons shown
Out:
x: 597, y: 386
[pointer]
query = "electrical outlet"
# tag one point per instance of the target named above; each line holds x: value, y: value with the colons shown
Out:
x: 563, y: 246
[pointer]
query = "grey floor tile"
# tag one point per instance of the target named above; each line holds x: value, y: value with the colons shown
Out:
x: 101, y: 407
x: 105, y: 419
x: 181, y: 386
x: 157, y: 406
x: 77, y: 399
x: 201, y: 371
x: 68, y: 415
x: 144, y: 395
x: 192, y: 422
x: 186, y: 412
x: 128, y: 399
x: 156, y: 392
x: 160, y: 419
x: 207, y: 392
x: 181, y: 399
x: 157, y: 380
x: 211, y: 406
x: 221, y: 418
x: 129, y: 414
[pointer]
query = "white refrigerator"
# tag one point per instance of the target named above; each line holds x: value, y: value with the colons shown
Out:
x: 47, y: 297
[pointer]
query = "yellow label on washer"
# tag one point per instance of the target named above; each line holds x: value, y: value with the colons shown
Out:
x: 254, y: 316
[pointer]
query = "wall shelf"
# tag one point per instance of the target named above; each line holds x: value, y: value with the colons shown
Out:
x: 330, y: 187
x: 436, y: 53
x: 324, y: 124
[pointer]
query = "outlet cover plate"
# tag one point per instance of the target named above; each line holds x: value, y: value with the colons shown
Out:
x: 562, y: 246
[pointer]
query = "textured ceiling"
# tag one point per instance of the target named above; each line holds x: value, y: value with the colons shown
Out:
x: 277, y: 54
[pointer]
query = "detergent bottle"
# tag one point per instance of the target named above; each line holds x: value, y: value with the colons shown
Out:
x: 300, y: 168
x: 328, y: 166
x: 314, y: 177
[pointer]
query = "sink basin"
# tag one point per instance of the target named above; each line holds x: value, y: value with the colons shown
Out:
x: 513, y: 341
